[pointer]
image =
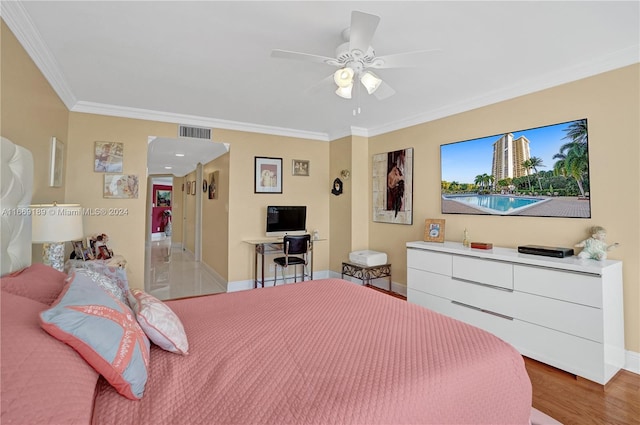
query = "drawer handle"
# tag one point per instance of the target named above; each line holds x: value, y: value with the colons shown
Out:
x: 493, y: 313
x: 500, y: 288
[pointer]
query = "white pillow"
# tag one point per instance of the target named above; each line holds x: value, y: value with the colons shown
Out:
x: 159, y: 322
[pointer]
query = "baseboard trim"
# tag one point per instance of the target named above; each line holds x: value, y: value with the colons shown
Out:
x: 219, y: 279
x: 632, y: 362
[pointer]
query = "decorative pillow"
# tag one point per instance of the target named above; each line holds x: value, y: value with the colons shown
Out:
x: 37, y: 282
x: 104, y: 331
x: 43, y: 380
x: 112, y: 279
x: 159, y: 322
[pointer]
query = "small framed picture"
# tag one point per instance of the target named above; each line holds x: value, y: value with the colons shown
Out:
x: 82, y: 252
x: 188, y: 188
x: 163, y: 198
x: 434, y: 230
x: 267, y: 175
x: 213, y: 184
x: 56, y: 169
x: 104, y: 253
x: 300, y: 167
x: 108, y: 157
x: 120, y: 186
x: 194, y: 189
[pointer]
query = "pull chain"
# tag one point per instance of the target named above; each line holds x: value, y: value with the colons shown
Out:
x: 357, y: 110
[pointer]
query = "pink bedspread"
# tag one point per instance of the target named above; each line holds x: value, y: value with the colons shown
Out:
x: 325, y: 352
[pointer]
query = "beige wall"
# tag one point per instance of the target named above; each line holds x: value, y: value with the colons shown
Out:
x: 215, y: 218
x: 340, y: 206
x: 611, y: 104
x: 177, y: 206
x: 248, y: 209
x: 189, y: 215
x: 31, y: 114
x: 85, y: 186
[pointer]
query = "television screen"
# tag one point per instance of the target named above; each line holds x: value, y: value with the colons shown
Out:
x: 283, y: 220
x: 540, y: 172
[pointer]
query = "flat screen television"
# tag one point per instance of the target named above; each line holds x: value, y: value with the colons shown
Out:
x: 539, y: 172
x: 286, y: 220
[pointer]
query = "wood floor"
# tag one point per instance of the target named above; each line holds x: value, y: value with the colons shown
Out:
x: 578, y: 401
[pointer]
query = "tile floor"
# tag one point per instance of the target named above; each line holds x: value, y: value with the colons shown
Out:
x: 172, y: 273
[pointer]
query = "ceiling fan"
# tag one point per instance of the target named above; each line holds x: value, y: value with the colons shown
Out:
x: 355, y: 58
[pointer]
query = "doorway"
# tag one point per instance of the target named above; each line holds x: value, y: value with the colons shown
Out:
x: 173, y: 267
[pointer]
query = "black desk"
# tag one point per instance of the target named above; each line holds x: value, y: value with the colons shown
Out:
x: 270, y: 246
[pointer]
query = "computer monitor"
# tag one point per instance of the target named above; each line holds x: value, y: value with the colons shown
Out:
x: 286, y: 220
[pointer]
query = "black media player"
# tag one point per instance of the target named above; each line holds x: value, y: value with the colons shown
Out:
x: 547, y: 251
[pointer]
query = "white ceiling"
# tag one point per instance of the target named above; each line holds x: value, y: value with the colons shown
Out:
x: 208, y: 63
x: 181, y: 156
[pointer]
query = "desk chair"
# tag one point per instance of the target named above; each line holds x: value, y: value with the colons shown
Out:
x: 293, y: 247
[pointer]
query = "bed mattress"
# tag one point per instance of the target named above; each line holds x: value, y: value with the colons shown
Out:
x: 324, y: 352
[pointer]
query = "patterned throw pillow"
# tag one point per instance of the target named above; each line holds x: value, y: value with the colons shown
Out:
x: 159, y: 322
x: 104, y: 331
x: 112, y: 279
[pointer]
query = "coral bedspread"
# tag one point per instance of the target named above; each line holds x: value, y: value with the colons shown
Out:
x: 324, y: 352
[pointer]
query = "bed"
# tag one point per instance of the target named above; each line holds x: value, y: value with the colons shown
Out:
x: 319, y: 352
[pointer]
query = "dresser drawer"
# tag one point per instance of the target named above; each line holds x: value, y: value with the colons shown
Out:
x: 568, y: 352
x: 487, y: 272
x: 431, y: 283
x: 434, y: 262
x: 578, y: 288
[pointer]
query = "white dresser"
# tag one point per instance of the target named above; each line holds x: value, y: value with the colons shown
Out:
x: 565, y: 312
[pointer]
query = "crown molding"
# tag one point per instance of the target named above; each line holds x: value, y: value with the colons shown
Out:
x: 609, y: 62
x: 18, y: 20
x: 150, y: 115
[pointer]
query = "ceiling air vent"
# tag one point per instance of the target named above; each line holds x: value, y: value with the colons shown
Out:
x: 194, y: 132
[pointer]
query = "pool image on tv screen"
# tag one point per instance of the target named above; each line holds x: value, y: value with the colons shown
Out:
x: 539, y: 172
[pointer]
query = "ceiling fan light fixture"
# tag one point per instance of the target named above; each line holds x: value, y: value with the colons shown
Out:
x: 345, y: 92
x: 370, y: 81
x: 344, y: 78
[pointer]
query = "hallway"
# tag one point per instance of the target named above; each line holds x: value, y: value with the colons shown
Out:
x: 173, y: 273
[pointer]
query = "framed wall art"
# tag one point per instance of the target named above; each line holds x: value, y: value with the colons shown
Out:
x: 267, y: 175
x: 120, y: 186
x: 300, y: 167
x: 393, y: 187
x: 163, y: 198
x: 56, y: 167
x: 108, y: 157
x: 434, y: 230
x: 194, y: 189
x: 213, y: 184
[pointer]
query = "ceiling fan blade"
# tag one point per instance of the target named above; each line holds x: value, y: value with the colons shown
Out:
x: 285, y: 54
x: 323, y: 84
x: 404, y: 60
x: 363, y: 26
x: 384, y: 91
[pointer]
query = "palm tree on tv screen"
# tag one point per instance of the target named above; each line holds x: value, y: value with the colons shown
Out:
x: 575, y: 162
x: 535, y: 162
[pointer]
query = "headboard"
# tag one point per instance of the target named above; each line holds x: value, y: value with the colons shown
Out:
x: 16, y: 165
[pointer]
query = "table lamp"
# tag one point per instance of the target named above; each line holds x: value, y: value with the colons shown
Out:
x: 53, y: 225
